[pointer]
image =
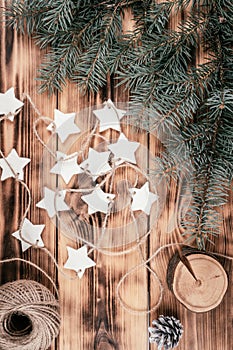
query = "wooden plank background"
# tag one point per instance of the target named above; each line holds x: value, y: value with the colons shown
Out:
x: 92, y: 317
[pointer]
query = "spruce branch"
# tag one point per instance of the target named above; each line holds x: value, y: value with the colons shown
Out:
x: 213, y: 170
x: 169, y: 92
x: 92, y: 67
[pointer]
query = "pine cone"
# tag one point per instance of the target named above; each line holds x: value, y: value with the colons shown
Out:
x: 166, y: 333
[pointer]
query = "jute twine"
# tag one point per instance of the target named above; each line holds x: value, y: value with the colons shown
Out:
x: 29, y: 316
x: 29, y: 310
x: 187, y: 250
x: 109, y: 177
x: 29, y: 313
x: 139, y: 240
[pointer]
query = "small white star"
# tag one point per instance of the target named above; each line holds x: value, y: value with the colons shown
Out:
x: 124, y: 150
x: 66, y: 167
x: 48, y: 204
x: 65, y: 125
x: 31, y: 233
x: 109, y: 116
x: 17, y: 164
x: 96, y: 163
x: 78, y: 260
x: 143, y: 198
x: 98, y: 201
x: 9, y: 104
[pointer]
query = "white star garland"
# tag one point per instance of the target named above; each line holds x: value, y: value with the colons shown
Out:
x: 78, y: 260
x: 13, y: 165
x: 48, y: 202
x: 143, y: 198
x: 9, y: 104
x: 30, y: 235
x: 124, y: 150
x: 64, y: 125
x: 98, y: 201
x: 66, y: 166
x: 109, y: 117
x: 96, y: 164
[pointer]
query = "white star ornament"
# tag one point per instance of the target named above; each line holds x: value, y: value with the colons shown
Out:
x: 98, y: 201
x: 143, y: 198
x: 124, y: 150
x: 9, y: 104
x: 78, y: 260
x: 96, y: 163
x: 66, y: 166
x: 109, y: 117
x: 16, y: 164
x: 64, y: 125
x: 48, y: 202
x: 31, y: 233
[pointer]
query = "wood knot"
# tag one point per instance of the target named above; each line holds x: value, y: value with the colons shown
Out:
x: 104, y: 340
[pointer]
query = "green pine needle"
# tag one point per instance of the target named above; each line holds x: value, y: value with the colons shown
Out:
x: 169, y: 91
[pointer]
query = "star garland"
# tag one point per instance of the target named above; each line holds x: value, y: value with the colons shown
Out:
x: 9, y: 104
x: 100, y: 166
x: 96, y: 164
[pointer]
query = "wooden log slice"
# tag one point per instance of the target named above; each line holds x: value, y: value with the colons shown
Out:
x: 208, y: 291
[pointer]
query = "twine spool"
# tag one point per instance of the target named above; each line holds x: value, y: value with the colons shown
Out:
x: 29, y: 316
x: 207, y: 291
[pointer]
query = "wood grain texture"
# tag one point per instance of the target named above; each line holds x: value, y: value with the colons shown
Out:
x: 208, y: 289
x: 92, y: 317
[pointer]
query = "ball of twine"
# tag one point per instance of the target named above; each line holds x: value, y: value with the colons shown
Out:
x: 29, y: 316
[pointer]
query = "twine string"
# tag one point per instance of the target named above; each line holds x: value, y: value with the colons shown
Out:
x: 10, y: 115
x: 85, y: 143
x: 35, y: 124
x: 110, y: 206
x: 47, y: 121
x: 132, y: 310
x: 34, y: 245
x: 29, y: 316
x: 26, y: 96
x: 101, y: 184
x: 16, y: 176
x: 139, y: 241
x: 108, y: 175
x: 40, y: 118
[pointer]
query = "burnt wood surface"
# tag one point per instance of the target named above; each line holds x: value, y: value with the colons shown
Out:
x: 92, y: 317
